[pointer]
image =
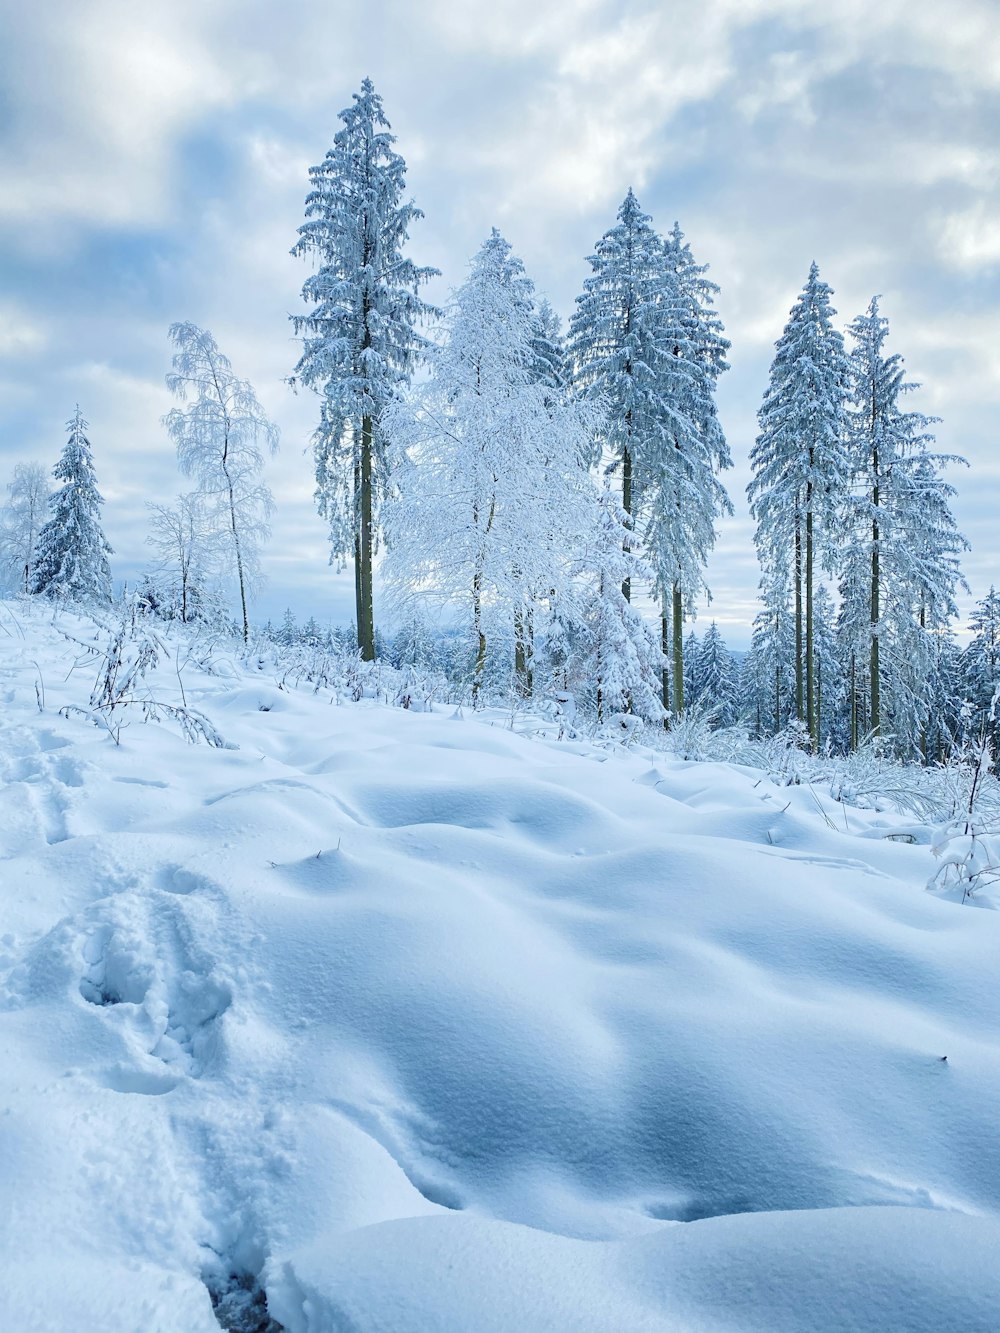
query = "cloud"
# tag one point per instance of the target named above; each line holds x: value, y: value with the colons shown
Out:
x: 155, y: 162
x: 970, y: 238
x: 20, y: 334
x: 100, y: 94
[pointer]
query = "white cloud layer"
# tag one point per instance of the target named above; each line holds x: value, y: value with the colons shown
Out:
x: 154, y: 160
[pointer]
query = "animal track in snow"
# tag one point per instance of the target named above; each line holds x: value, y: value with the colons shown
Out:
x: 34, y: 798
x: 143, y: 966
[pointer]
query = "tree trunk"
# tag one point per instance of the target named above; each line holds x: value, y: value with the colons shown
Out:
x: 811, y: 719
x: 237, y: 545
x: 875, y: 615
x: 854, y: 702
x: 665, y: 671
x: 524, y: 652
x: 799, y: 707
x: 366, y: 608
x: 477, y: 621
x: 678, y: 672
x: 819, y: 700
x: 627, y: 506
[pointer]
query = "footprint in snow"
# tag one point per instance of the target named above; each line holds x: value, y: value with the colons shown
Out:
x: 144, y: 969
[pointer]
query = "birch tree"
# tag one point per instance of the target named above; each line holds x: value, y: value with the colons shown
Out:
x: 20, y: 523
x: 222, y: 435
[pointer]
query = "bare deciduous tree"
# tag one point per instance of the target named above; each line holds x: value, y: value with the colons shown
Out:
x: 219, y: 436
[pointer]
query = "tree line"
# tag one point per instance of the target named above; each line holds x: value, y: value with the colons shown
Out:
x: 557, y: 493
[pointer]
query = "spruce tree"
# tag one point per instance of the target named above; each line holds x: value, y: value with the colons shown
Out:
x: 800, y: 477
x: 900, y: 568
x: 981, y: 667
x: 685, y: 495
x: 714, y: 681
x: 71, y: 556
x: 360, y: 339
x: 645, y: 343
x: 620, y: 357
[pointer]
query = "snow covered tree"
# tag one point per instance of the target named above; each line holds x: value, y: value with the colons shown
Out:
x: 219, y: 437
x: 414, y: 644
x: 71, y: 555
x: 20, y: 523
x: 645, y: 344
x: 714, y: 680
x: 900, y: 568
x: 620, y: 658
x: 490, y: 465
x: 829, y: 677
x: 683, y: 494
x: 800, y: 475
x: 772, y: 649
x: 549, y: 347
x: 360, y: 340
x: 691, y: 649
x: 981, y: 667
x: 187, y: 548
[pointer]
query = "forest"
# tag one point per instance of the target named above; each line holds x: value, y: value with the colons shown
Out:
x: 538, y: 505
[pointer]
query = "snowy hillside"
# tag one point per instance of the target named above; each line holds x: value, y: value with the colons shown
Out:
x: 418, y: 1024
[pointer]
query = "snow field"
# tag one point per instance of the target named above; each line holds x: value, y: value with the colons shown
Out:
x: 422, y: 1024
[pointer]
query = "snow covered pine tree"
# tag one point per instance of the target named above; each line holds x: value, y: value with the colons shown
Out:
x: 900, y: 567
x: 71, y: 557
x: 646, y: 345
x: 361, y: 343
x: 800, y: 474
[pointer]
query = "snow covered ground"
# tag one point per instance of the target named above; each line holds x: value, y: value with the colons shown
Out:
x: 415, y: 1023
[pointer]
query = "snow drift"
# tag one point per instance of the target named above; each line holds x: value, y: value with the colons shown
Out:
x: 389, y: 1021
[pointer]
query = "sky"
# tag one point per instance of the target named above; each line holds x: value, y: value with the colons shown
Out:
x: 154, y: 163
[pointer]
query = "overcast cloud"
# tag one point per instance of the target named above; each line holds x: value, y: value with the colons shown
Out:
x: 154, y: 158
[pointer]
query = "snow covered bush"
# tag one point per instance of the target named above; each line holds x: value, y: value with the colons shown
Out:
x: 133, y: 650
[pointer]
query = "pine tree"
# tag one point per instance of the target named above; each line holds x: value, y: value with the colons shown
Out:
x: 646, y: 345
x: 800, y: 476
x: 361, y: 341
x: 772, y: 650
x: 714, y: 680
x: 491, y: 488
x: 685, y: 496
x: 829, y: 677
x: 218, y: 436
x: 71, y: 557
x: 901, y: 562
x: 981, y: 667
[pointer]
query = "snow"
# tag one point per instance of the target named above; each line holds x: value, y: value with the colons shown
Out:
x: 424, y: 1024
